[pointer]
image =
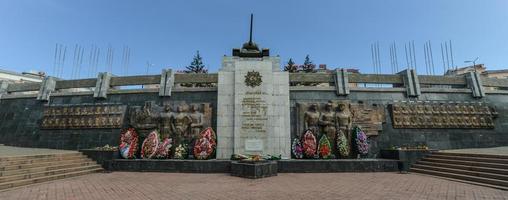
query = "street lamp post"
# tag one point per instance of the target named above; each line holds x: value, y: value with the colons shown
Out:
x: 474, y: 63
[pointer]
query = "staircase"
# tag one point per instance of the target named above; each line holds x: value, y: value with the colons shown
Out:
x: 478, y: 169
x: 23, y: 170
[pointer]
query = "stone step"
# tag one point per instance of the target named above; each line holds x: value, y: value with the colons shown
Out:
x: 466, y: 167
x: 45, y: 159
x: 464, y: 172
x: 467, y: 182
x: 471, y: 155
x: 42, y: 164
x: 44, y: 168
x: 466, y: 158
x: 468, y: 163
x: 46, y: 173
x: 461, y: 176
x: 12, y: 158
x: 18, y: 183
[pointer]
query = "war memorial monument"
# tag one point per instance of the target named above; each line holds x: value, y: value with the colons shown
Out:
x: 252, y: 111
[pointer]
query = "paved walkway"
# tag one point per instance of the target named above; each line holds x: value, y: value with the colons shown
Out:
x: 21, y: 151
x: 134, y: 185
x: 493, y: 150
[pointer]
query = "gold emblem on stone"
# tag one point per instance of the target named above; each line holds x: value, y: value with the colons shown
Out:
x: 253, y: 79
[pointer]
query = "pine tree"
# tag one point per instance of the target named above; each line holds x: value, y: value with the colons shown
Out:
x: 196, y: 65
x: 290, y: 66
x: 308, y: 66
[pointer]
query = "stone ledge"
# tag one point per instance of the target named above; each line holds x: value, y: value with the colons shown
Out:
x: 171, y: 165
x: 337, y: 165
x: 254, y: 170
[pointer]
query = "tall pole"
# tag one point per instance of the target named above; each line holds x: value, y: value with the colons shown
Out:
x: 251, y: 21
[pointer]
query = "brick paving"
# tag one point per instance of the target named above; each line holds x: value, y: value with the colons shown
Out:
x: 135, y: 185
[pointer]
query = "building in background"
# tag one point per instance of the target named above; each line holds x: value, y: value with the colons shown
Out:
x: 24, y: 77
x: 480, y: 68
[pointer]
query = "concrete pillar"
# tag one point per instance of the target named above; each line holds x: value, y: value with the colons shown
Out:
x: 3, y: 88
x: 102, y: 85
x: 341, y: 82
x: 411, y: 82
x: 47, y: 87
x: 474, y: 82
x: 167, y: 82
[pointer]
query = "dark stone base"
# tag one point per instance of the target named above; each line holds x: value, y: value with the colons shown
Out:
x: 406, y: 157
x: 102, y: 157
x: 254, y: 170
x: 171, y: 165
x: 337, y: 165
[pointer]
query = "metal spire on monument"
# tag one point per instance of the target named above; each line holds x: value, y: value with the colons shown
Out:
x: 250, y: 48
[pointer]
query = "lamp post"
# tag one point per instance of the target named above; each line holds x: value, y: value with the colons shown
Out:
x: 474, y: 62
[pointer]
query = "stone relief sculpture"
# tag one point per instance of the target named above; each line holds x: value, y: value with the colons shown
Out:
x: 311, y: 119
x: 196, y: 121
x: 83, y: 116
x: 442, y: 115
x: 179, y: 128
x: 327, y: 121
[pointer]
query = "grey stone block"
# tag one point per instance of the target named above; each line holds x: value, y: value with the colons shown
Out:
x: 102, y: 85
x: 47, y: 87
x: 167, y: 82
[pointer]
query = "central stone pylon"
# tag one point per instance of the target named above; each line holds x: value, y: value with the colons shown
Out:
x: 253, y: 104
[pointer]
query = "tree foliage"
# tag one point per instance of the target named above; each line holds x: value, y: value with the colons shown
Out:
x: 308, y: 66
x: 196, y: 65
x: 290, y: 66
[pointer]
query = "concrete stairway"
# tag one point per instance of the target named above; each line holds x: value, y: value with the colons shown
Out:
x: 478, y: 169
x: 23, y: 170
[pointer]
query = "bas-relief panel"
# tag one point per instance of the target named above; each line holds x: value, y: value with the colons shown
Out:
x: 467, y: 115
x: 329, y: 117
x: 83, y: 116
x: 179, y: 120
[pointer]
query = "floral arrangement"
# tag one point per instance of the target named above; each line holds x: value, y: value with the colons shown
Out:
x: 128, y: 143
x: 205, y: 145
x: 342, y: 144
x: 164, y: 148
x: 107, y: 148
x: 324, y: 147
x: 150, y: 145
x: 309, y: 144
x: 297, y: 148
x: 255, y: 157
x: 181, y: 151
x: 361, y: 141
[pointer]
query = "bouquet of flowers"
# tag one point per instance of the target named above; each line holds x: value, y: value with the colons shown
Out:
x: 309, y: 144
x: 361, y: 141
x: 342, y: 144
x: 164, y: 148
x: 297, y: 148
x: 128, y: 143
x: 205, y: 145
x: 150, y: 145
x: 181, y: 151
x: 324, y: 147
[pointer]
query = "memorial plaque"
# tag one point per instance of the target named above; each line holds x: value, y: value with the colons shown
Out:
x: 253, y: 145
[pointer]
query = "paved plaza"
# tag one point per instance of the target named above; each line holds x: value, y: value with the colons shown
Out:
x: 134, y: 185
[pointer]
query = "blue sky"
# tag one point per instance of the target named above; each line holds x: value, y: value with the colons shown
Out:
x: 168, y: 33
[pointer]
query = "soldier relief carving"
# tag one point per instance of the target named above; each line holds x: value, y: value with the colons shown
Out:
x: 183, y: 123
x: 333, y: 123
x: 442, y: 115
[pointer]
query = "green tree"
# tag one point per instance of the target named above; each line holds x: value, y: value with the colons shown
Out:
x: 308, y: 66
x: 196, y: 65
x: 290, y: 66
